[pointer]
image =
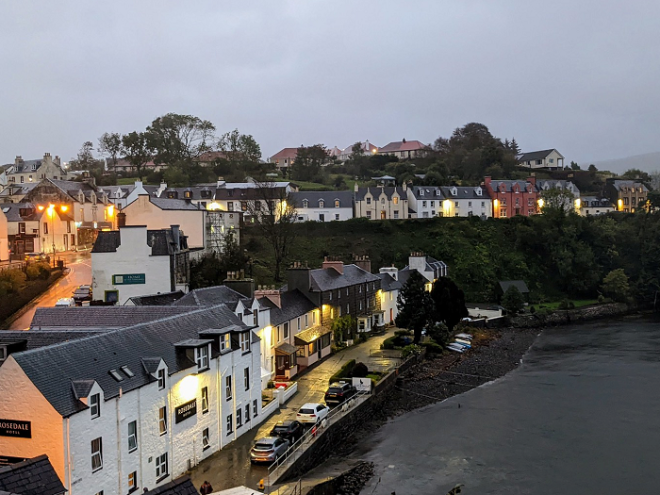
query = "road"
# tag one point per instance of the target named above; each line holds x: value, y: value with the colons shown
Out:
x: 231, y: 466
x: 80, y: 272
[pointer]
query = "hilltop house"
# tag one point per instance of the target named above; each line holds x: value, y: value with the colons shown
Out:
x: 403, y: 149
x: 546, y: 159
x: 284, y: 159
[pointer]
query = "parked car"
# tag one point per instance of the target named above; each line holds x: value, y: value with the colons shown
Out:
x: 289, y: 430
x: 268, y: 449
x: 82, y: 293
x: 312, y: 413
x: 339, y: 392
x: 65, y: 302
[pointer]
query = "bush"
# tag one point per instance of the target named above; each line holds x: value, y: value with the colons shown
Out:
x: 32, y: 272
x: 410, y: 350
x: 271, y: 384
x: 360, y: 370
x: 439, y: 333
x: 564, y: 304
x: 400, y: 333
x: 433, y: 348
x: 389, y: 343
x: 14, y: 280
x: 532, y: 310
x: 601, y: 299
x: 44, y: 270
x: 343, y: 372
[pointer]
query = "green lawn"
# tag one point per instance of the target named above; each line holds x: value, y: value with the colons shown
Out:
x: 555, y: 304
x: 126, y: 181
x: 312, y: 186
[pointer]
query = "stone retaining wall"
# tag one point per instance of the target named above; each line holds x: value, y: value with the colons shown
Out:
x: 568, y: 316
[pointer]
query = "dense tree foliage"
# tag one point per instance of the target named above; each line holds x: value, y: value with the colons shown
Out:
x: 448, y: 302
x: 513, y: 300
x: 309, y: 162
x: 415, y: 306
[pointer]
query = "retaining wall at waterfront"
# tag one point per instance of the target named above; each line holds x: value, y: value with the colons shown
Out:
x: 568, y: 316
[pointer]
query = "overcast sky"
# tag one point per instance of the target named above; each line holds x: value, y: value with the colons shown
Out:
x: 580, y: 76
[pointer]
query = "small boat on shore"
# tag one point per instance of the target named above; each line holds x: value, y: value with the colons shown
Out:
x: 465, y: 336
x: 456, y: 347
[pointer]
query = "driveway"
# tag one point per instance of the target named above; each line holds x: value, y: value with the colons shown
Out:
x: 231, y: 466
x: 80, y: 272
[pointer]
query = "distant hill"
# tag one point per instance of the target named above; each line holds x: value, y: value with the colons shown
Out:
x: 648, y: 162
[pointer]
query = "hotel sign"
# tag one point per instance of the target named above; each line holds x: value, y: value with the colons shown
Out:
x: 129, y: 279
x: 184, y: 411
x: 15, y: 428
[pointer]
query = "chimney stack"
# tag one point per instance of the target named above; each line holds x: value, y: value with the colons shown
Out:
x: 334, y: 263
x: 362, y: 262
x: 272, y: 294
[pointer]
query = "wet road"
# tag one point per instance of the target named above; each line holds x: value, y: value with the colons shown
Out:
x: 231, y: 466
x: 80, y: 272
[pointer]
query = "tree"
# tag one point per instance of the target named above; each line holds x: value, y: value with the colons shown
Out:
x: 415, y: 306
x: 308, y: 163
x: 212, y: 269
x: 556, y: 198
x: 242, y: 154
x: 85, y: 158
x: 273, y: 213
x: 138, y: 150
x: 575, y: 166
x: 110, y: 144
x: 178, y: 139
x: 449, y: 302
x: 592, y: 168
x: 344, y: 328
x: 513, y: 300
x: 615, y: 285
x: 636, y: 174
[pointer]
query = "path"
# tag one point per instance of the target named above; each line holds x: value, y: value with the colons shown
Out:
x: 231, y: 466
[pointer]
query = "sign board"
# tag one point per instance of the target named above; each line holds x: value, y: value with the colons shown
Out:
x: 362, y: 384
x: 15, y: 428
x: 129, y: 279
x: 185, y: 411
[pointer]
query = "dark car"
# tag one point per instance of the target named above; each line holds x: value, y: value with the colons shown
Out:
x: 339, y: 392
x: 82, y: 293
x: 289, y: 430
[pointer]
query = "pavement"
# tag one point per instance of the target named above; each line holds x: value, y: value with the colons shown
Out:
x: 231, y: 466
x: 79, y: 266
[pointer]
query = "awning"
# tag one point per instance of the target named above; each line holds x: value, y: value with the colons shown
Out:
x: 286, y: 349
x: 311, y: 334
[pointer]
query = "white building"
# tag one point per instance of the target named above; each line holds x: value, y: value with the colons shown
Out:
x: 381, y: 203
x: 569, y: 191
x: 593, y: 205
x: 424, y: 201
x: 390, y: 287
x: 323, y: 206
x: 461, y: 201
x: 135, y: 261
x: 546, y: 159
x: 133, y: 407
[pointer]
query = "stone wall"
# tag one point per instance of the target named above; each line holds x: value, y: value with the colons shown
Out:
x: 566, y: 317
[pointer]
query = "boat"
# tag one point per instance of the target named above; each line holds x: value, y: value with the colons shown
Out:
x: 463, y: 341
x: 461, y: 344
x: 466, y: 336
x: 456, y: 348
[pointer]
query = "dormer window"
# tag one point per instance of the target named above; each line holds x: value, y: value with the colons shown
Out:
x: 337, y: 203
x: 187, y: 194
x: 321, y: 203
x: 202, y: 357
x: 95, y: 405
x: 172, y: 195
x: 161, y: 379
x: 244, y: 340
x: 395, y: 200
x: 305, y: 203
x: 421, y: 192
x: 225, y: 342
x: 478, y: 191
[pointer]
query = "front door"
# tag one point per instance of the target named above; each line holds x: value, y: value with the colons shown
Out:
x: 383, y: 215
x: 318, y: 348
x: 391, y: 315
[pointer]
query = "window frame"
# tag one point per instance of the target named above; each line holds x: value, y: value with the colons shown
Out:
x: 162, y: 467
x: 229, y: 424
x: 205, y: 400
x: 162, y: 420
x: 255, y: 408
x: 132, y: 436
x: 132, y: 482
x: 97, y: 454
x: 206, y: 439
x: 95, y: 405
x: 228, y: 387
x: 162, y: 380
x: 244, y: 341
x: 246, y: 378
x: 202, y: 358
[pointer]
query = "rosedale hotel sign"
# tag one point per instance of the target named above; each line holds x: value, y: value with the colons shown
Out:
x: 14, y: 428
x: 184, y: 411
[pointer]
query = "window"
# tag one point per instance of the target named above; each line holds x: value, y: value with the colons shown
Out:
x: 337, y: 203
x: 423, y: 204
x: 348, y: 308
x: 286, y: 330
x: 306, y: 321
x: 161, y: 379
x: 45, y: 227
x: 225, y: 342
x: 432, y: 204
x: 299, y: 318
x: 254, y: 408
x: 503, y: 212
x: 205, y: 439
x: 95, y: 405
x: 132, y: 436
x: 368, y: 201
x: 360, y: 305
x: 330, y: 295
x: 132, y: 482
x: 230, y: 424
x: 245, y: 341
x: 246, y: 378
x: 396, y: 213
x: 336, y: 216
x: 369, y: 214
x: 321, y: 203
x: 161, y: 466
x: 68, y: 227
x: 305, y: 203
x: 247, y: 413
x: 483, y: 204
x: 230, y: 206
x: 228, y: 387
x: 395, y: 200
x: 162, y: 420
x: 97, y: 454
x: 338, y: 293
x: 360, y: 289
x: 21, y: 228
x: 239, y: 418
x: 205, y: 400
x: 202, y: 357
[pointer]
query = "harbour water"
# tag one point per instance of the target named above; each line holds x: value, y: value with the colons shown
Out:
x: 581, y: 415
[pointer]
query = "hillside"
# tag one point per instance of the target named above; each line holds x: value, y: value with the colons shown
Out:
x: 648, y: 162
x: 556, y: 255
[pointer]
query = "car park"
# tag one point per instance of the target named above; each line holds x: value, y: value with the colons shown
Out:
x: 339, y: 392
x: 312, y: 413
x: 289, y: 430
x: 268, y: 449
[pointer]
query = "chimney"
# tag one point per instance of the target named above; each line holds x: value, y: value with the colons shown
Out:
x: 417, y: 261
x: 18, y: 160
x: 161, y: 188
x: 239, y: 283
x: 57, y: 161
x: 272, y: 294
x: 89, y: 179
x: 362, y: 262
x: 392, y: 271
x: 355, y: 187
x: 221, y: 183
x: 299, y: 276
x: 336, y: 264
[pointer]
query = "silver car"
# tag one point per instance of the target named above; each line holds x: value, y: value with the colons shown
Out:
x: 268, y: 449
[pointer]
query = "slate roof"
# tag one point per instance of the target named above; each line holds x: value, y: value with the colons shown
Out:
x: 463, y: 192
x: 52, y: 369
x: 179, y: 486
x: 161, y: 241
x: 518, y: 284
x: 173, y: 204
x: 35, y: 476
x: 558, y: 184
x: 535, y: 155
x: 210, y: 296
x: 13, y: 212
x: 619, y: 184
x: 164, y: 299
x: 294, y: 304
x: 195, y: 192
x: 24, y: 166
x: 427, y: 192
x: 377, y: 191
x: 389, y: 283
x: 107, y: 242
x: 509, y: 184
x: 311, y: 334
x: 100, y: 317
x: 595, y: 201
x: 402, y: 146
x: 313, y: 197
x: 328, y: 279
x: 34, y: 339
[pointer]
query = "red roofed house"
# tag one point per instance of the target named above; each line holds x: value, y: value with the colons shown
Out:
x: 404, y: 149
x: 285, y: 158
x: 512, y: 197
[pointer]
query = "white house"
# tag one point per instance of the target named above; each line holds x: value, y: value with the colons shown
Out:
x: 323, y: 206
x: 546, y: 159
x: 594, y: 205
x: 462, y: 201
x: 134, y: 407
x: 135, y: 261
x: 571, y: 192
x: 390, y: 287
x: 424, y: 201
x: 381, y: 203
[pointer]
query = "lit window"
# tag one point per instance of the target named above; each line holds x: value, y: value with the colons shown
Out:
x: 132, y: 436
x: 225, y: 342
x: 161, y: 379
x: 162, y: 420
x: 337, y: 203
x: 202, y: 357
x: 95, y: 405
x: 321, y: 203
x: 205, y: 399
x: 161, y: 466
x: 97, y: 454
x: 395, y: 200
x: 228, y: 387
x: 132, y: 482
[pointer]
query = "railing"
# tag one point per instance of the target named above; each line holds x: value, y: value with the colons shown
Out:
x: 294, y: 452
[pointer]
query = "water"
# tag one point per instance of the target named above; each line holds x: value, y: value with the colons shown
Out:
x: 580, y: 416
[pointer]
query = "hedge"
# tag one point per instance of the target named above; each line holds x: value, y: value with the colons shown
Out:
x: 344, y: 371
x: 32, y: 289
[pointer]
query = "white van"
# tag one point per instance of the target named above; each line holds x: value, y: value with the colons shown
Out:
x: 65, y: 302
